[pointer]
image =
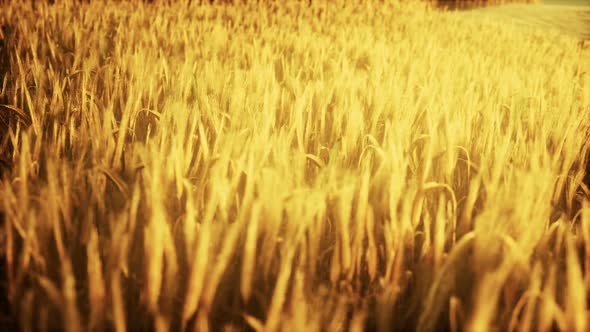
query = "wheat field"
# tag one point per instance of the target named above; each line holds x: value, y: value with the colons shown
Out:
x: 286, y: 166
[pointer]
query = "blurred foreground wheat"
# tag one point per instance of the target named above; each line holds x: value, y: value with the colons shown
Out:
x: 290, y: 167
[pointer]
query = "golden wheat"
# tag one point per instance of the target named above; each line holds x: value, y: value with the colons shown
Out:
x: 286, y: 166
